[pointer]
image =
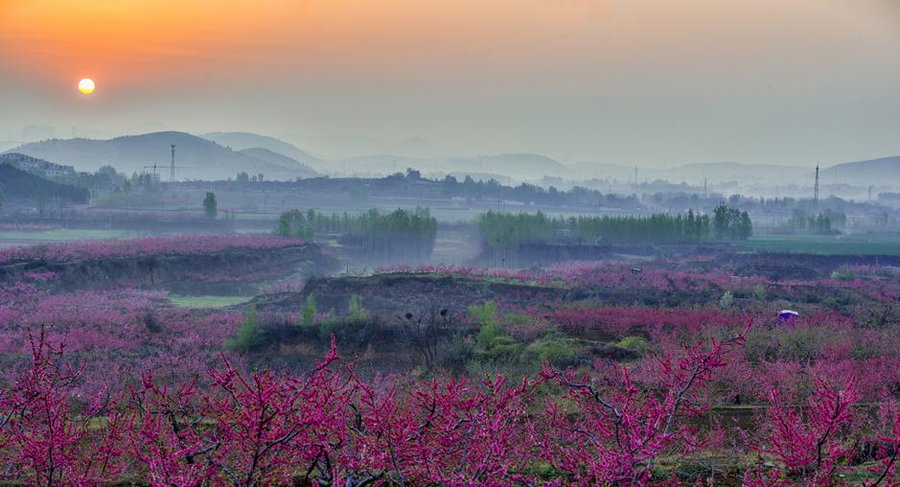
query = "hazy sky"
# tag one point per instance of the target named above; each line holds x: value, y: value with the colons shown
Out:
x: 647, y: 82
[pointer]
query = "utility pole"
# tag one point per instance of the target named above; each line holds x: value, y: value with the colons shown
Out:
x: 870, y: 191
x: 172, y: 168
x: 816, y: 189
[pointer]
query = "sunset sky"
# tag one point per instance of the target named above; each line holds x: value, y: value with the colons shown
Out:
x: 647, y: 82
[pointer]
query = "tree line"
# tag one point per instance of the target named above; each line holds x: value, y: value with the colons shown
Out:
x: 504, y: 231
x: 822, y: 223
x: 401, y: 234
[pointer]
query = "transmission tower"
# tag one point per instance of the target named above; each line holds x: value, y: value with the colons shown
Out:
x: 816, y: 189
x: 172, y: 167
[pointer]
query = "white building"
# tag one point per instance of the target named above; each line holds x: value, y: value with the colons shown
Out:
x: 38, y: 167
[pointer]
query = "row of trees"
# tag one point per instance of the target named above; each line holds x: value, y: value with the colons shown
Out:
x: 511, y: 231
x: 401, y: 234
x: 823, y: 223
x: 731, y: 223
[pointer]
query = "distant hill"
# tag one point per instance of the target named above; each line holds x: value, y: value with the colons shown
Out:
x: 522, y: 166
x: 201, y: 158
x: 883, y: 171
x: 598, y: 170
x: 271, y: 157
x: 245, y: 140
x: 22, y: 185
x: 412, y: 147
x: 518, y: 166
x: 381, y: 164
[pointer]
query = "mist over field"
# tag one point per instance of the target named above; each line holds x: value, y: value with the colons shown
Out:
x: 494, y: 242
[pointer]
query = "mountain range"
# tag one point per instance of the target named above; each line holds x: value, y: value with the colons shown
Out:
x: 223, y: 154
x: 240, y: 141
x: 195, y: 157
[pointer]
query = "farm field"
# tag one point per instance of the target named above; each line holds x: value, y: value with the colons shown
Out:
x: 851, y: 244
x: 13, y: 237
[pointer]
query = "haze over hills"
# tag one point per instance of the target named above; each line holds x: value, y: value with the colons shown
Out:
x: 277, y: 159
x: 598, y: 170
x: 525, y: 166
x: 220, y: 155
x: 246, y: 140
x: 520, y: 166
x: 885, y: 170
x: 198, y: 157
x: 413, y: 147
x: 747, y: 173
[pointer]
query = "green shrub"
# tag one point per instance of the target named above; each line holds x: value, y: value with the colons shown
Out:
x: 488, y: 334
x: 801, y: 344
x: 501, y: 349
x: 558, y: 352
x: 635, y: 344
x: 247, y: 336
x: 484, y: 314
x: 831, y: 303
x: 726, y: 300
x: 843, y: 274
x: 759, y: 292
x: 308, y: 315
x: 355, y: 311
x: 516, y: 318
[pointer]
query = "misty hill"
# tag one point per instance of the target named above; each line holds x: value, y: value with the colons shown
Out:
x: 201, y: 158
x: 598, y: 170
x: 522, y: 166
x: 518, y: 166
x: 246, y: 140
x: 885, y: 170
x: 21, y: 185
x: 271, y: 157
x: 381, y: 164
x: 412, y: 147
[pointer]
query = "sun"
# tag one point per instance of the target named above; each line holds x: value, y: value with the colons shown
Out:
x: 86, y: 86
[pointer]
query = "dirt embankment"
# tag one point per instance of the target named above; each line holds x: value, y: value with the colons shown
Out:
x: 781, y: 266
x: 226, y: 271
x: 389, y: 294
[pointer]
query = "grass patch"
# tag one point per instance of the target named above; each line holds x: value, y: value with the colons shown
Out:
x: 206, y: 301
x: 13, y: 237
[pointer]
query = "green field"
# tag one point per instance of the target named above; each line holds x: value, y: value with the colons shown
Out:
x: 13, y: 237
x: 206, y: 301
x: 851, y: 244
